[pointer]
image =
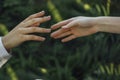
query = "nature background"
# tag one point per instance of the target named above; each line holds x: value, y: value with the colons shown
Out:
x: 95, y: 57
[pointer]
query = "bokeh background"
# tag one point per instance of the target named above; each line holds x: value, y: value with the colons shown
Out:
x: 95, y: 57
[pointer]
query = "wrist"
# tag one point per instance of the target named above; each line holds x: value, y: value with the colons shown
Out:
x: 5, y: 44
x: 101, y: 24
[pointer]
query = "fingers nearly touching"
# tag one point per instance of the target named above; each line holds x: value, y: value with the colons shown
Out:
x: 64, y: 30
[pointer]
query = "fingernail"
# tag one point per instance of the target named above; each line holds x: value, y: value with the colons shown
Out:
x: 42, y: 11
x: 43, y: 39
x: 48, y: 17
x: 63, y: 41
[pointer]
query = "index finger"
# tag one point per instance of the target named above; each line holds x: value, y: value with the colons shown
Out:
x: 39, y: 14
x: 62, y: 23
x: 71, y: 24
x: 35, y: 20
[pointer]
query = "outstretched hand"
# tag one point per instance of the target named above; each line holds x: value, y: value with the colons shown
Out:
x: 73, y: 28
x: 21, y: 32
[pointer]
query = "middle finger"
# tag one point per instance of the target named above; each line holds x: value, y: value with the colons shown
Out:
x: 35, y: 20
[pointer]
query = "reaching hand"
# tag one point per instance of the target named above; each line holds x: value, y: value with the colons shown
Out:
x: 73, y: 28
x: 21, y: 32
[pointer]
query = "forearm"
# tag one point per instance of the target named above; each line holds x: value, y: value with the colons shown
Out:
x: 108, y: 24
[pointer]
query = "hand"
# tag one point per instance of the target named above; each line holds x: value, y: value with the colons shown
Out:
x: 74, y: 27
x: 21, y: 32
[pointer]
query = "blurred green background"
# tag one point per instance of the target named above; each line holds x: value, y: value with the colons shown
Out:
x: 95, y: 57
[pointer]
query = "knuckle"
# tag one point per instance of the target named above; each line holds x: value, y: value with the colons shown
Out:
x: 34, y: 20
x: 22, y: 37
x: 20, y: 30
x: 42, y: 30
x: 22, y: 23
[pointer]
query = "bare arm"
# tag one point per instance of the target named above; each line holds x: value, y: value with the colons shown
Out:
x: 108, y: 24
x: 84, y: 26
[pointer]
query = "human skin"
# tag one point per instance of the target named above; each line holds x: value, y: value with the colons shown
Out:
x: 84, y: 26
x: 21, y: 32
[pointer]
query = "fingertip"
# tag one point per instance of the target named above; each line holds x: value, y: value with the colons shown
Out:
x: 48, y: 17
x: 56, y: 37
x: 42, y: 12
x: 51, y: 35
x: 43, y: 39
x: 53, y: 27
x: 63, y: 41
x: 59, y: 25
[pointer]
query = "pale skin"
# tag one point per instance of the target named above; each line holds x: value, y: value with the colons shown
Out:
x: 76, y: 27
x: 21, y: 32
x: 67, y: 29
